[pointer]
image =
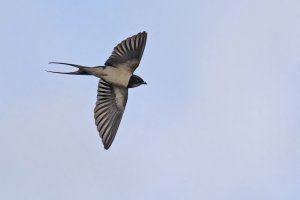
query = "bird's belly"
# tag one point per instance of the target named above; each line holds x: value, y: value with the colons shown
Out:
x: 116, y: 76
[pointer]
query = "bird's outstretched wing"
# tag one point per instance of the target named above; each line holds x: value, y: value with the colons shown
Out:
x: 111, y: 102
x: 129, y: 52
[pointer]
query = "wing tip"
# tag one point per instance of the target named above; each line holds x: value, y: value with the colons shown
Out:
x: 106, y: 148
x: 144, y: 33
x: 106, y: 145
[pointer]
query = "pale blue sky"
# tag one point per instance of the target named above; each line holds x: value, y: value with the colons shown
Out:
x: 218, y: 120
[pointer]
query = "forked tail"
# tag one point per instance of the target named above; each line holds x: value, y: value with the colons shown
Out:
x: 80, y: 70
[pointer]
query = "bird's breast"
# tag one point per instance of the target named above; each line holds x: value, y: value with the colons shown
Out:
x: 116, y: 76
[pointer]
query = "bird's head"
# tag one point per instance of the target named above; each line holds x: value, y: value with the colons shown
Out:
x: 135, y: 81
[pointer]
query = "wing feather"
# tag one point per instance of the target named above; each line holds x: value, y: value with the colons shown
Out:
x: 109, y: 109
x: 128, y: 53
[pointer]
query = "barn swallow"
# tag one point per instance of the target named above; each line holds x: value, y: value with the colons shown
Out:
x: 116, y: 76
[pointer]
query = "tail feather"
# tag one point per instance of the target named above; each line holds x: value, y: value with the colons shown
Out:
x: 73, y: 65
x: 80, y: 70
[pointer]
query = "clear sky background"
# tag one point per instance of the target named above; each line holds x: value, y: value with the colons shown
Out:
x: 218, y: 120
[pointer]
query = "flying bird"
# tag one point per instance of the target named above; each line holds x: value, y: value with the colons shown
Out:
x: 116, y: 76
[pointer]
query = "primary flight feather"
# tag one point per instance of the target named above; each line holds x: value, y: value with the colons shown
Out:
x: 116, y: 76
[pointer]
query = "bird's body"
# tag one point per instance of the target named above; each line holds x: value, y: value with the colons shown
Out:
x: 116, y: 76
